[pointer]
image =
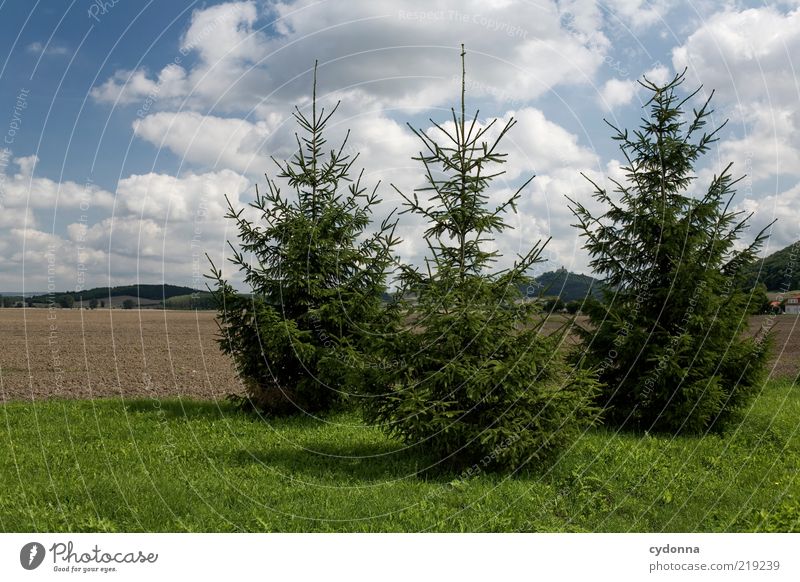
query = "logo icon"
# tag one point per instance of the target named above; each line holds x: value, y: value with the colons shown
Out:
x: 31, y: 555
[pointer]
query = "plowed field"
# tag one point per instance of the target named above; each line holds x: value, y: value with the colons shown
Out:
x: 72, y: 353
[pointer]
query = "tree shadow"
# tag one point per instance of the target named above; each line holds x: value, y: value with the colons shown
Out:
x: 315, y: 457
x: 187, y: 409
x: 361, y: 462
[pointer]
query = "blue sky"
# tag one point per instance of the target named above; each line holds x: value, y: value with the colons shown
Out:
x: 125, y: 123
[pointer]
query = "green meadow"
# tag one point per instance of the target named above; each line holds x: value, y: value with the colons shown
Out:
x: 140, y: 465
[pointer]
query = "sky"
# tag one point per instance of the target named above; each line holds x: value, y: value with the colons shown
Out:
x: 125, y: 124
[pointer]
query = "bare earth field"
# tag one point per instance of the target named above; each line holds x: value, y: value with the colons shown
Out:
x: 786, y: 343
x: 154, y: 353
x: 101, y: 353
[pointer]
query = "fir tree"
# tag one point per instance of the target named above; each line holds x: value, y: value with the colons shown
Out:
x: 316, y: 276
x: 472, y: 380
x: 666, y: 338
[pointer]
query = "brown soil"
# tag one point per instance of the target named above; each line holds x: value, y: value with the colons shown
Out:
x: 786, y: 343
x: 72, y: 353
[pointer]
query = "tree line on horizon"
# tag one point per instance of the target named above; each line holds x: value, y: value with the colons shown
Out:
x: 166, y: 295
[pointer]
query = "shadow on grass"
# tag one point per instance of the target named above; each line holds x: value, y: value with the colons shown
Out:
x: 320, y: 459
x: 187, y: 409
x: 309, y: 450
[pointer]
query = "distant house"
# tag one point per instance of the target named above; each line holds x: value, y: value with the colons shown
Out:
x: 792, y: 305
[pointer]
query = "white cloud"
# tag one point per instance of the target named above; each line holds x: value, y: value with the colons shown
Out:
x: 522, y: 48
x: 16, y: 217
x: 162, y: 226
x: 381, y: 50
x: 167, y: 220
x: 225, y: 32
x: 659, y: 75
x: 128, y: 235
x: 188, y: 198
x: 544, y: 147
x: 23, y: 189
x: 747, y: 58
x: 136, y: 87
x: 617, y: 92
x: 50, y: 49
x: 771, y: 146
x: 745, y: 55
x: 36, y: 254
x: 639, y: 14
x: 207, y: 140
x: 781, y: 206
x: 384, y: 146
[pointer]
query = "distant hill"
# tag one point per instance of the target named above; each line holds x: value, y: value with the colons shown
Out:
x: 201, y: 300
x: 776, y: 272
x: 155, y: 292
x: 118, y: 302
x: 559, y: 283
x: 565, y: 285
x: 150, y: 293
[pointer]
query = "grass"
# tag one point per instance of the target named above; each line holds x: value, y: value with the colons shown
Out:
x: 112, y: 465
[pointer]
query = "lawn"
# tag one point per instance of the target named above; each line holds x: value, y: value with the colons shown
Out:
x: 142, y: 465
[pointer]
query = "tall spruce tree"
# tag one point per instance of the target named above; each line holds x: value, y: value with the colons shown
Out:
x: 315, y: 274
x: 667, y: 337
x: 472, y: 380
